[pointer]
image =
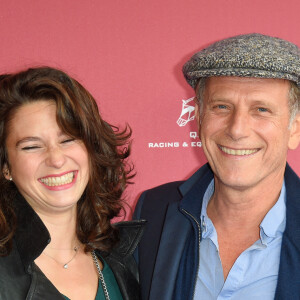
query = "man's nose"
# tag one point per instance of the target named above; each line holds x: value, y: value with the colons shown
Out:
x: 55, y: 158
x: 238, y: 126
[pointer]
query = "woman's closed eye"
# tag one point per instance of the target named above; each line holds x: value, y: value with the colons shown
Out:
x: 68, y: 140
x: 33, y: 147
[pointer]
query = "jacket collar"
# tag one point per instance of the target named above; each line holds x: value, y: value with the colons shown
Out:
x: 193, y: 190
x: 292, y: 231
x: 31, y: 235
x: 290, y: 249
x: 176, y: 225
x: 130, y: 233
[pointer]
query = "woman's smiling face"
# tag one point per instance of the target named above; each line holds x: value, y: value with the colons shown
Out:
x: 50, y: 169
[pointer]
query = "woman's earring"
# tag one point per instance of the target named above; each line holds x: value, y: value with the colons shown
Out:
x: 6, y: 174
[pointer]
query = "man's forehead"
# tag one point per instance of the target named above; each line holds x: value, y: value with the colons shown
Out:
x: 246, y: 80
x: 260, y: 88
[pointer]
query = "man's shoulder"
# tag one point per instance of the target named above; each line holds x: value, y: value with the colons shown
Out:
x: 182, y: 186
x: 163, y: 191
x: 158, y: 198
x: 291, y: 177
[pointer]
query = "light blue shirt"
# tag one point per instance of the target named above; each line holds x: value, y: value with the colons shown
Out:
x: 255, y: 272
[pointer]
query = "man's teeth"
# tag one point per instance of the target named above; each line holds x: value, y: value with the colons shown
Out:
x: 238, y: 151
x: 56, y: 181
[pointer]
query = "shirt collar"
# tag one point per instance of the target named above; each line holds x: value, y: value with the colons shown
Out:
x: 271, y: 226
x: 206, y: 224
x: 273, y: 223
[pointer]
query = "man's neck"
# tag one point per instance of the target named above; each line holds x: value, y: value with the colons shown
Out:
x: 243, y: 208
x: 237, y: 215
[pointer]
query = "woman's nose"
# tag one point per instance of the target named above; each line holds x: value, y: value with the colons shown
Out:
x: 55, y: 158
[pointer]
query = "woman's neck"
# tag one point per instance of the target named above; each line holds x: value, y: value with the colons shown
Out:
x: 62, y: 229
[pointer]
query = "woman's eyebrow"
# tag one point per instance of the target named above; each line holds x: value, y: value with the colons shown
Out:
x: 28, y: 139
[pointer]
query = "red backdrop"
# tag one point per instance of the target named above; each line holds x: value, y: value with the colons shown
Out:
x: 129, y: 55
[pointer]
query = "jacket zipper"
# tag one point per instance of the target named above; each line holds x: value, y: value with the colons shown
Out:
x: 199, y: 237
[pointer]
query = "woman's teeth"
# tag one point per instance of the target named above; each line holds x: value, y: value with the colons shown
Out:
x: 56, y: 181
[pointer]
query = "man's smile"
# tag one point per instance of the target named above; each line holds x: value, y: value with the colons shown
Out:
x: 238, y: 152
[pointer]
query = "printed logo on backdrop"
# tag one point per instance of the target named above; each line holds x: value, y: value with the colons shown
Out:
x: 187, y: 115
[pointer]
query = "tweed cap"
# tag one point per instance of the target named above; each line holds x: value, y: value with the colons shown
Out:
x: 249, y: 55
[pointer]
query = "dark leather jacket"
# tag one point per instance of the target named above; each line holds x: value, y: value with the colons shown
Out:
x: 21, y: 279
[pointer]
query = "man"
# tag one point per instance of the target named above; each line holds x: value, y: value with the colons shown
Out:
x: 232, y: 230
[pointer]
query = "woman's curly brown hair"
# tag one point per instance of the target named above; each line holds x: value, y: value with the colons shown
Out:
x: 78, y: 116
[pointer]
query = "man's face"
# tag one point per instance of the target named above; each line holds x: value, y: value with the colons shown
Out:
x: 244, y: 129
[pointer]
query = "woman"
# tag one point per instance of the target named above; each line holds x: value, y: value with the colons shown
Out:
x: 63, y: 174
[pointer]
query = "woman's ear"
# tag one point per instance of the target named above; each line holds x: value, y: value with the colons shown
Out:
x: 6, y: 172
x: 294, y: 138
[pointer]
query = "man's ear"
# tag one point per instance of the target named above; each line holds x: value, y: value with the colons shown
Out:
x: 197, y: 113
x: 294, y: 139
x: 6, y: 172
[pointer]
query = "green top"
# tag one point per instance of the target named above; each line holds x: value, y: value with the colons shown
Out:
x: 111, y: 283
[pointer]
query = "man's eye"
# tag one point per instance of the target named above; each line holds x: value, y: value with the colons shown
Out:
x: 262, y: 109
x: 221, y: 106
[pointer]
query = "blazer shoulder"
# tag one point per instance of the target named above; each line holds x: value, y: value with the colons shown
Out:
x: 155, y: 199
x: 166, y: 187
x: 168, y: 192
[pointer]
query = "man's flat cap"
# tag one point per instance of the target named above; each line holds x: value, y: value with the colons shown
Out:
x: 249, y: 55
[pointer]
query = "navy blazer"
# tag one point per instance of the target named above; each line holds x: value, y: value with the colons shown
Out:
x: 169, y: 210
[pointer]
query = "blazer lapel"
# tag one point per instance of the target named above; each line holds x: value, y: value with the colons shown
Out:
x: 176, y: 231
x: 174, y: 235
x: 288, y: 286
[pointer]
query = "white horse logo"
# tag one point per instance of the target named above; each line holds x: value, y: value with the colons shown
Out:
x: 187, y: 112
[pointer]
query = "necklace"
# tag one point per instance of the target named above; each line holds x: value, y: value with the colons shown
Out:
x: 65, y: 265
x: 101, y: 277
